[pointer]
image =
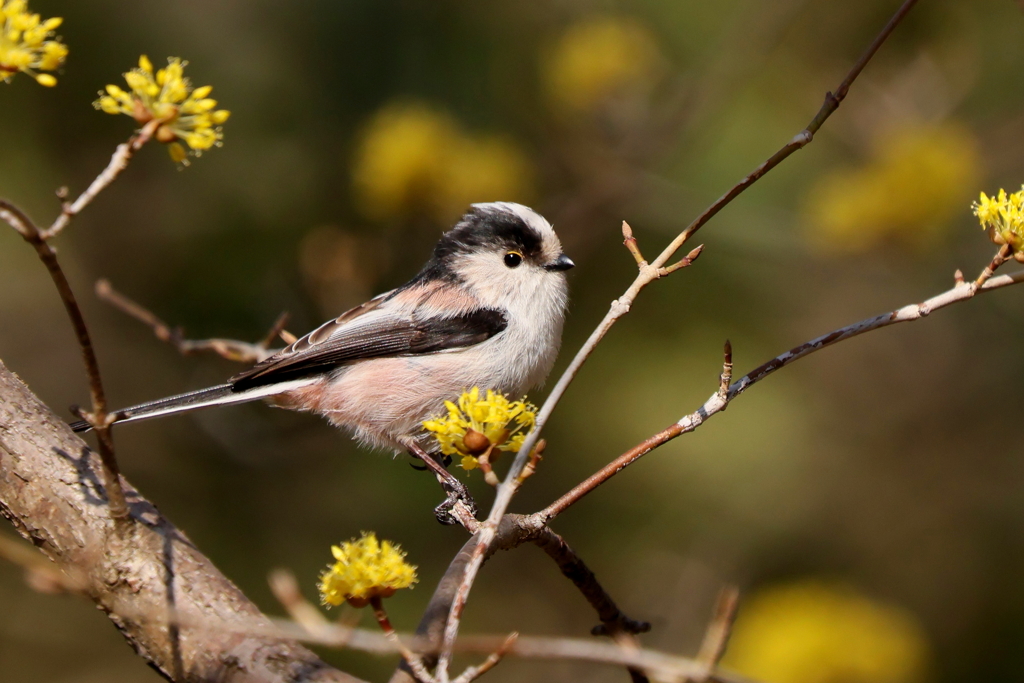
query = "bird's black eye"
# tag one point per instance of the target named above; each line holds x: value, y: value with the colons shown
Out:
x: 513, y: 259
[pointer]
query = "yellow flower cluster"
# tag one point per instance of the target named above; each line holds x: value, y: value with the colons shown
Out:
x: 185, y: 114
x: 503, y: 423
x: 1003, y: 216
x: 413, y: 159
x: 596, y: 59
x: 814, y: 632
x: 908, y: 191
x: 27, y: 43
x: 365, y: 568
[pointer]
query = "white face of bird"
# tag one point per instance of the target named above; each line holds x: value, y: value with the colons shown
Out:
x: 510, y: 257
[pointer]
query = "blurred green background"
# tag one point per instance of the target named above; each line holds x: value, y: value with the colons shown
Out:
x: 867, y: 500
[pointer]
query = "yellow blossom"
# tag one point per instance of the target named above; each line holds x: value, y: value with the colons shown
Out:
x: 416, y: 159
x: 1003, y: 216
x: 595, y: 59
x: 815, y: 632
x: 504, y: 423
x: 187, y: 115
x: 28, y: 44
x: 365, y: 568
x: 909, y: 190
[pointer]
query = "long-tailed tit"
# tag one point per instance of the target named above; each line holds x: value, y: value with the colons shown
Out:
x: 486, y: 310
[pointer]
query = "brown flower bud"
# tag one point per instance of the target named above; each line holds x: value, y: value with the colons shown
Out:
x: 165, y: 135
x: 140, y: 113
x: 475, y: 442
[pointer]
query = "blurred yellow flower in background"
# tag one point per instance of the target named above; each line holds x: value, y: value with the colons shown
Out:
x: 27, y: 43
x: 414, y: 158
x: 596, y: 58
x: 814, y: 632
x: 186, y: 114
x: 916, y: 181
x: 365, y: 568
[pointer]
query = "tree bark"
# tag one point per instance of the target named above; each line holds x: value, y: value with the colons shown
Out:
x: 168, y: 600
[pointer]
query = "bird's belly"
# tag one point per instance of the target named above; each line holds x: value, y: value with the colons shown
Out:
x: 385, y: 399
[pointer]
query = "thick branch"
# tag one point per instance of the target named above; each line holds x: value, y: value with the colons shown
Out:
x: 149, y: 578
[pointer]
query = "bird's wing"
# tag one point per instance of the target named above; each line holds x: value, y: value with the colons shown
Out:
x: 384, y: 326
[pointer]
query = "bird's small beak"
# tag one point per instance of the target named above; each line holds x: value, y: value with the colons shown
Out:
x: 561, y: 263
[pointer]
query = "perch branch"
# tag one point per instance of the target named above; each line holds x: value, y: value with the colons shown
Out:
x: 233, y: 350
x: 720, y: 400
x: 148, y: 577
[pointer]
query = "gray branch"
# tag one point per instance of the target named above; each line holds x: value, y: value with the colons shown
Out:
x: 149, y: 577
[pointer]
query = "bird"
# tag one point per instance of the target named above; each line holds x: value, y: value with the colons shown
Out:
x: 486, y: 310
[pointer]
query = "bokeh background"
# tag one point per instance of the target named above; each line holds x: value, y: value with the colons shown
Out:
x: 867, y: 500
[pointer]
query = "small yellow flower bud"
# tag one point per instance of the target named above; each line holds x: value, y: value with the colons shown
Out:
x: 108, y: 105
x: 177, y: 152
x: 201, y: 92
x: 145, y: 64
x: 165, y: 135
x: 26, y: 44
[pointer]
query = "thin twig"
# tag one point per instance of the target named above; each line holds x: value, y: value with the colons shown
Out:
x: 647, y: 274
x: 716, y: 638
x: 414, y: 661
x: 726, y: 377
x: 98, y: 417
x: 999, y: 259
x: 630, y: 242
x: 41, y: 574
x: 231, y: 349
x: 285, y: 588
x: 474, y: 672
x: 662, y: 665
x: 719, y: 400
x: 118, y: 162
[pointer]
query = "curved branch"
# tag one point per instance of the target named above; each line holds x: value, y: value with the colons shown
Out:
x: 151, y: 581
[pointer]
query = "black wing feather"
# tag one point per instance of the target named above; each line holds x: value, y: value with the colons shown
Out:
x: 390, y: 338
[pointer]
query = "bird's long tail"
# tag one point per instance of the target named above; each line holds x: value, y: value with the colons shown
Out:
x: 221, y: 395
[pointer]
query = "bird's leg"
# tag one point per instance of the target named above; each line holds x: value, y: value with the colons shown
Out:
x: 454, y: 488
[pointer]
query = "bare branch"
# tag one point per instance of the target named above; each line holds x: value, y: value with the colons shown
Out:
x: 118, y: 162
x: 720, y: 400
x: 233, y: 350
x: 716, y: 639
x: 98, y: 417
x: 474, y: 672
x: 646, y: 275
x: 52, y: 491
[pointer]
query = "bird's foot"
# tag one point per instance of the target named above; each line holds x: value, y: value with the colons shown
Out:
x: 457, y: 493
